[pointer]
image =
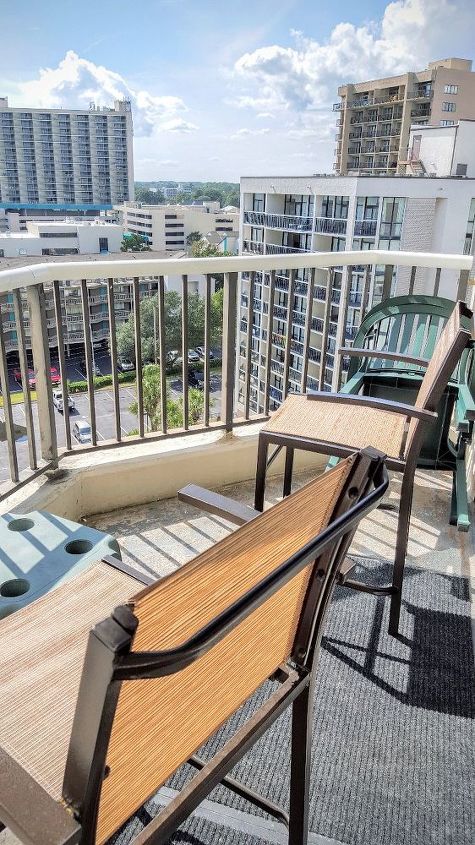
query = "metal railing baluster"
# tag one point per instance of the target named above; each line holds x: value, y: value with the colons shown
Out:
x: 270, y: 331
x: 138, y: 355
x: 229, y: 348
x: 412, y: 280
x: 20, y: 330
x: 163, y: 357
x: 7, y: 408
x: 184, y: 349
x: 288, y: 339
x: 42, y: 364
x: 88, y: 355
x: 206, y: 365
x: 250, y: 312
x: 308, y: 327
x: 114, y: 360
x: 62, y: 361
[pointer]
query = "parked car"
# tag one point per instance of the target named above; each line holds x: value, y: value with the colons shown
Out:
x: 55, y: 376
x: 193, y: 357
x: 17, y: 375
x: 58, y: 401
x: 201, y: 352
x: 125, y: 366
x: 195, y: 379
x: 82, y: 431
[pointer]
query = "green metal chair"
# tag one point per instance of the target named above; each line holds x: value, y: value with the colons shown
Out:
x: 411, y: 326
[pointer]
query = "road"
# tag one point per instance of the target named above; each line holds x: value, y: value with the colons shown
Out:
x: 104, y: 407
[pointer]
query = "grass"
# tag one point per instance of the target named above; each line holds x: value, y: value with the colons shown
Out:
x: 18, y: 398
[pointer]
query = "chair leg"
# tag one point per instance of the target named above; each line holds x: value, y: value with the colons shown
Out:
x: 461, y: 496
x: 262, y: 448
x: 300, y: 766
x: 401, y: 549
x: 289, y: 463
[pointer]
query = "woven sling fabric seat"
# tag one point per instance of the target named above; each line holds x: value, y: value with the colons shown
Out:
x: 337, y: 423
x: 93, y: 724
x: 297, y: 417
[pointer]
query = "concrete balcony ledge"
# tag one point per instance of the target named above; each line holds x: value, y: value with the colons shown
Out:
x: 106, y: 479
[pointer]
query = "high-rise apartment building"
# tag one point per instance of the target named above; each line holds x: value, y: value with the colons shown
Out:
x: 374, y: 118
x: 65, y: 160
x: 282, y: 215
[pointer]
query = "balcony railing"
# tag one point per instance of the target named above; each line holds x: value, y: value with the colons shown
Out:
x: 292, y: 222
x: 34, y: 437
x: 366, y: 228
x: 329, y: 226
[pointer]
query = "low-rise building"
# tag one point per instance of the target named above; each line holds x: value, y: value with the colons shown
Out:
x: 442, y: 150
x: 166, y: 227
x: 62, y: 237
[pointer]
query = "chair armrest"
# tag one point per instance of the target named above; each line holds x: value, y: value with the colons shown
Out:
x: 355, y: 352
x: 216, y: 504
x: 464, y: 405
x: 374, y: 402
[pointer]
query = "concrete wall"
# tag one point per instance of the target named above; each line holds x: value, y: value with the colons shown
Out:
x: 107, y: 479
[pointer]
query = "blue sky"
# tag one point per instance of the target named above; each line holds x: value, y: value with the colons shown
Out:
x: 221, y: 90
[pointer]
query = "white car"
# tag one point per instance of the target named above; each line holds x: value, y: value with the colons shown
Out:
x: 125, y: 366
x: 58, y: 401
x: 82, y: 431
x: 193, y: 357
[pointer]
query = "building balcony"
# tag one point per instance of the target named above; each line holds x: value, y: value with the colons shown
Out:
x: 365, y: 228
x: 278, y: 249
x: 291, y: 222
x: 329, y: 226
x: 125, y: 484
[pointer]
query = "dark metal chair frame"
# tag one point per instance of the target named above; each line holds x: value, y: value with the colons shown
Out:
x: 405, y: 464
x: 39, y: 820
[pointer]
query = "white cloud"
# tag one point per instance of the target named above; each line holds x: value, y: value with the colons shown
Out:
x: 178, y: 125
x: 244, y: 132
x: 76, y: 82
x: 305, y: 77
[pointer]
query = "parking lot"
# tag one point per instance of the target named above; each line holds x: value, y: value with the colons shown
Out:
x: 104, y: 408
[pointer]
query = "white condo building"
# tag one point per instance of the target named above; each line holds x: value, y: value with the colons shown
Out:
x: 65, y: 160
x: 331, y: 214
x: 166, y: 227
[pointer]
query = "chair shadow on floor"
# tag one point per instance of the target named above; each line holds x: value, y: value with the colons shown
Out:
x: 430, y: 664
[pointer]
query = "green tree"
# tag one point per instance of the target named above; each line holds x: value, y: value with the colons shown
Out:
x: 145, y: 195
x: 173, y: 328
x: 152, y: 402
x: 193, y: 237
x: 134, y: 243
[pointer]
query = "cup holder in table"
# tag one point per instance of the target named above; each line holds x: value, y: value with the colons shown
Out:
x: 14, y: 588
x: 78, y: 547
x: 20, y: 524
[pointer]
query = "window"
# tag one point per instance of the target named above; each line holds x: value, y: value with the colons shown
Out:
x: 468, y: 245
x: 461, y: 170
x: 58, y: 234
x: 258, y: 202
x: 391, y: 222
x: 103, y: 244
x: 367, y: 208
x: 451, y: 89
x: 447, y: 122
x: 446, y: 106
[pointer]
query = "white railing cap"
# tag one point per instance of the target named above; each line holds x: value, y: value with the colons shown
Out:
x: 132, y: 267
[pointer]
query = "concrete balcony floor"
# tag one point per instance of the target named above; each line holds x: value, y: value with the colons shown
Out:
x: 160, y: 536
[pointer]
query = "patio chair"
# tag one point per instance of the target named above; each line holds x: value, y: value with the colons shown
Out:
x: 82, y: 751
x: 411, y: 326
x: 338, y: 423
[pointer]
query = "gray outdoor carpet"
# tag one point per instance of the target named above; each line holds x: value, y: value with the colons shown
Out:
x: 393, y: 738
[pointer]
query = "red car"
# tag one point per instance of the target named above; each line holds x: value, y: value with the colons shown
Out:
x: 17, y: 375
x: 54, y: 376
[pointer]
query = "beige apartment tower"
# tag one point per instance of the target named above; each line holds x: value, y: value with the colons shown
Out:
x: 374, y: 118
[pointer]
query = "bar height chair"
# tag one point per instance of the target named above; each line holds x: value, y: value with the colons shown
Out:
x: 336, y: 424
x: 89, y: 734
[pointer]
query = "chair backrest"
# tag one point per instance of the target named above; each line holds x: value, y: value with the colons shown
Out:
x: 246, y: 597
x: 453, y: 340
x: 410, y: 325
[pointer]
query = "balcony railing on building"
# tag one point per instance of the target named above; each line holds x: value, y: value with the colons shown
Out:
x: 36, y: 438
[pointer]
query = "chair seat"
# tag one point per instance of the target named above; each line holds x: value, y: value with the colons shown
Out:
x: 333, y: 422
x: 41, y: 658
